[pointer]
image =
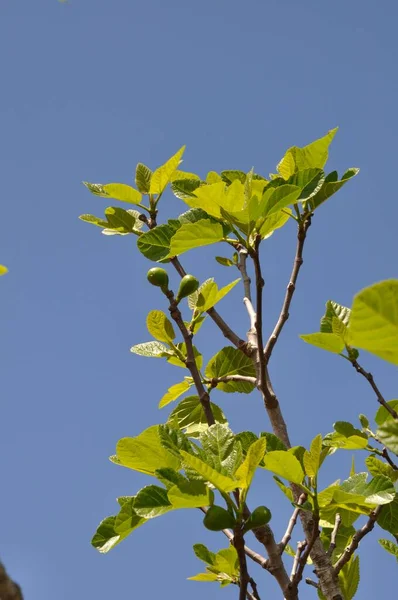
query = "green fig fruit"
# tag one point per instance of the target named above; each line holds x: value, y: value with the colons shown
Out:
x: 158, y: 277
x: 188, y: 285
x: 259, y: 517
x: 217, y: 518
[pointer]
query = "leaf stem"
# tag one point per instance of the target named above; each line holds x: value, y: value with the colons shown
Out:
x: 369, y: 377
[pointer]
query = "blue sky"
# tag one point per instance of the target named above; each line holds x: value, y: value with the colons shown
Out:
x: 90, y: 88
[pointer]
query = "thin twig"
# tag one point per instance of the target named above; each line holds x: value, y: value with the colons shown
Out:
x: 244, y: 576
x: 309, y: 581
x: 309, y: 545
x: 243, y: 254
x: 356, y: 538
x: 292, y: 522
x: 376, y: 390
x: 298, y: 261
x: 388, y: 459
x: 300, y: 549
x: 333, y: 537
x: 214, y: 315
x: 254, y: 588
x: 259, y: 315
x: 216, y: 380
x: 190, y: 361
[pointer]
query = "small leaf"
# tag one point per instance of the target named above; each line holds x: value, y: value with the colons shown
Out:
x: 162, y: 176
x: 312, y: 458
x: 225, y: 262
x: 190, y: 415
x: 122, y: 192
x: 327, y: 341
x: 189, y: 494
x: 160, y: 327
x: 388, y: 435
x: 390, y: 547
x: 254, y: 456
x: 204, y: 577
x: 195, y: 235
x: 204, y: 554
x: 143, y: 177
x: 152, y: 501
x: 383, y: 415
x: 106, y: 537
x: 152, y: 349
x: 145, y: 452
x: 231, y: 361
x: 174, y: 392
x: 374, y: 320
x: 221, y: 482
x: 284, y: 465
x: 331, y: 186
x: 155, y: 244
x: 334, y: 310
x: 3, y: 270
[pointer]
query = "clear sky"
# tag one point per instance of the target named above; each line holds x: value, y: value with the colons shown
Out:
x: 90, y: 88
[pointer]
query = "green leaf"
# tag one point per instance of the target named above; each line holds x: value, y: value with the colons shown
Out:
x: 152, y: 501
x: 106, y: 537
x: 225, y: 262
x: 174, y: 392
x: 226, y: 561
x: 143, y: 177
x: 287, y: 165
x: 327, y: 341
x: 189, y: 415
x: 175, y: 360
x: 152, y: 349
x: 273, y: 442
x: 313, y: 457
x: 204, y: 577
x: 217, y: 442
x: 127, y: 520
x: 155, y: 244
x: 284, y: 465
x: 331, y: 186
x: 162, y: 176
x: 183, y: 175
x: 388, y: 517
x: 169, y: 477
x: 160, y: 327
x: 246, y: 439
x: 231, y: 361
x: 267, y: 226
x: 145, y: 452
x: 230, y: 176
x: 310, y: 181
x: 213, y: 177
x: 204, y: 554
x: 118, y: 191
x: 346, y: 437
x: 221, y: 482
x: 374, y: 320
x: 195, y: 235
x: 284, y: 488
x: 189, y: 494
x: 334, y: 311
x: 208, y: 295
x: 388, y: 435
x: 378, y: 467
x: 184, y: 188
x: 390, y: 547
x: 380, y: 490
x: 383, y: 415
x: 254, y: 456
x: 118, y: 221
x: 349, y: 578
x: 343, y: 539
x: 173, y: 439
x: 314, y: 155
x: 280, y: 197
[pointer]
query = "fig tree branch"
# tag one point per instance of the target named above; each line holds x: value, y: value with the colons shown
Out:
x: 373, y: 385
x: 9, y: 590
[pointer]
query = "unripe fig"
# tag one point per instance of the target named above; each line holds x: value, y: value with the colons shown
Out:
x: 217, y: 518
x: 188, y: 285
x: 259, y: 517
x: 158, y: 277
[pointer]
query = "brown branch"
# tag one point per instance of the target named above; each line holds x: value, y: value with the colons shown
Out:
x: 244, y: 577
x: 388, y: 459
x: 300, y: 549
x: 309, y: 581
x: 254, y: 588
x: 333, y: 537
x: 291, y: 525
x: 190, y: 361
x: 243, y: 254
x: 356, y: 538
x: 304, y: 556
x: 298, y: 261
x: 9, y: 590
x: 376, y: 390
x: 214, y: 315
x: 216, y: 380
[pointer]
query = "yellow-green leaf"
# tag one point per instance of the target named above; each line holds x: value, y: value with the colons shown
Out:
x: 272, y: 222
x: 221, y: 482
x: 123, y: 192
x: 174, y: 392
x: 374, y: 320
x: 3, y: 270
x: 253, y: 458
x: 190, y: 494
x: 284, y: 465
x: 145, y: 452
x: 312, y: 458
x: 327, y: 341
x: 162, y: 176
x: 160, y: 327
x: 195, y: 235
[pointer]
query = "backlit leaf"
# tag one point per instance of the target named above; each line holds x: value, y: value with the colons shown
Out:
x: 159, y: 326
x: 145, y: 452
x: 162, y: 175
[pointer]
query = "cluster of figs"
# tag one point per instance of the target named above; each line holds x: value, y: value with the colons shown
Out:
x: 188, y: 284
